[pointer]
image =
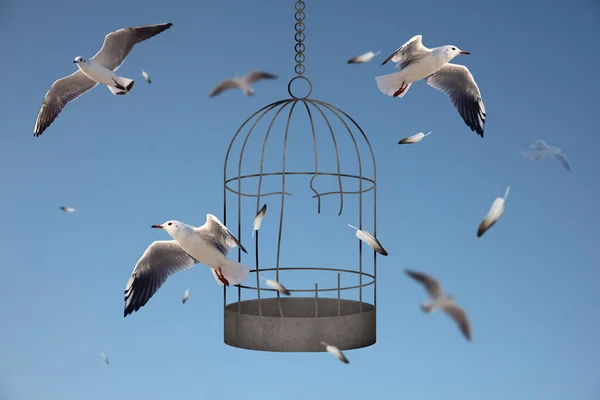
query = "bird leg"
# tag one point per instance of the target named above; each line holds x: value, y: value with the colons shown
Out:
x: 221, y: 277
x: 401, y: 90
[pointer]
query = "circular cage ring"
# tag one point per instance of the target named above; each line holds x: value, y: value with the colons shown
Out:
x: 299, y: 26
x: 229, y: 183
x: 300, y: 16
x: 300, y: 6
x: 303, y: 78
x: 300, y: 36
x: 370, y: 281
x: 299, y: 47
x: 300, y: 69
x: 300, y: 58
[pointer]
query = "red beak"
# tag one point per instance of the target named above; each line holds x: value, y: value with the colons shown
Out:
x: 464, y: 52
x: 156, y: 226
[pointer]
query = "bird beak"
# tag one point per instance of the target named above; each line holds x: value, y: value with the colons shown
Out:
x: 74, y: 62
x: 157, y: 226
x: 464, y: 52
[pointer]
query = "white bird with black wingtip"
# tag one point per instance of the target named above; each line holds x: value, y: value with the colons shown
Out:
x: 539, y: 150
x: 92, y: 71
x: 242, y: 82
x: 208, y: 244
x: 417, y: 62
x: 496, y: 211
x: 442, y: 301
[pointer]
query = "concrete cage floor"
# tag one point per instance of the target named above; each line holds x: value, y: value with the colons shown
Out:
x: 300, y: 330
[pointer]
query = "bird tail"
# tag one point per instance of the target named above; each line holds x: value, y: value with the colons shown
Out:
x: 426, y: 308
x: 233, y: 271
x: 391, y: 83
x: 122, y: 85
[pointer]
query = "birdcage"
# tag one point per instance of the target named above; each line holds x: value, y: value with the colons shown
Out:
x: 261, y: 318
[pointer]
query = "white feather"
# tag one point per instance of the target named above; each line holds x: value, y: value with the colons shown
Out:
x: 276, y: 285
x: 336, y: 352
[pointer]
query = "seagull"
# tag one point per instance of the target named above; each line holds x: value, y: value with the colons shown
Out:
x: 363, y: 58
x: 414, y: 138
x: 336, y: 352
x: 146, y: 76
x: 417, y: 62
x: 67, y: 209
x: 440, y: 300
x: 258, y: 219
x: 369, y: 239
x: 541, y: 150
x: 242, y: 82
x: 92, y: 71
x: 186, y: 295
x: 208, y: 244
x: 493, y: 215
x: 277, y: 286
x: 105, y: 358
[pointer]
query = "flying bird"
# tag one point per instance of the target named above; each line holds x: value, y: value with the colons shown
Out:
x: 541, y: 150
x: 105, y: 358
x: 336, y: 352
x: 242, y: 82
x: 363, y: 58
x: 414, y: 138
x: 417, y: 62
x: 258, y: 219
x: 186, y: 295
x: 493, y: 215
x: 442, y: 301
x: 67, y: 209
x: 369, y: 239
x: 146, y: 76
x: 277, y: 286
x: 92, y: 71
x: 208, y: 244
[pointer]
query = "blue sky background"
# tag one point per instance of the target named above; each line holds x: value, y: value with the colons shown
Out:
x: 529, y: 285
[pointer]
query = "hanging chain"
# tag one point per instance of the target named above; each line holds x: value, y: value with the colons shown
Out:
x: 299, y: 68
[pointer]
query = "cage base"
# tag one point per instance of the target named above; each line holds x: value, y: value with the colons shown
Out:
x: 300, y: 330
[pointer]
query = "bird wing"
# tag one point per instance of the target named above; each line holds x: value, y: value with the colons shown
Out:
x: 216, y: 233
x: 563, y: 160
x: 255, y: 76
x: 408, y: 52
x: 532, y: 155
x: 61, y: 92
x: 226, y: 84
x: 538, y: 145
x: 457, y: 82
x: 460, y: 317
x: 118, y: 44
x: 161, y: 259
x: 432, y: 286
